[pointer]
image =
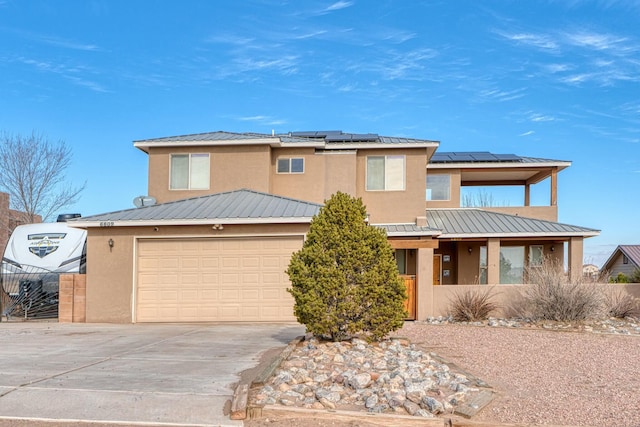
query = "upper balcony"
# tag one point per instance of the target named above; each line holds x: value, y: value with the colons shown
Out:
x: 503, y: 183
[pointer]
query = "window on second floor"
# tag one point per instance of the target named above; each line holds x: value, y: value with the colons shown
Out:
x: 189, y: 172
x: 290, y: 165
x: 438, y: 187
x: 385, y: 173
x: 625, y: 260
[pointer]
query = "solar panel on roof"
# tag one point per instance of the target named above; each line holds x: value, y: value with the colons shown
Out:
x: 441, y: 157
x: 349, y: 137
x: 364, y: 137
x: 483, y: 157
x: 316, y: 133
x: 460, y: 157
x: 508, y: 158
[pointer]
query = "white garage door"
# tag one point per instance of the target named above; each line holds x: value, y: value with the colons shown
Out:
x: 222, y: 279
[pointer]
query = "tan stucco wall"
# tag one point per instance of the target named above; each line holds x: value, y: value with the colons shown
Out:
x: 547, y: 213
x: 339, y: 172
x: 111, y: 272
x: 395, y: 206
x: 232, y: 168
x: 308, y: 186
x: 505, y: 295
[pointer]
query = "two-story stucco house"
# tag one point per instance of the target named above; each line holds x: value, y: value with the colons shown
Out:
x: 231, y: 208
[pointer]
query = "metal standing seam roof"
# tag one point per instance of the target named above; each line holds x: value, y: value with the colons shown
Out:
x: 395, y: 230
x: 239, y: 206
x: 334, y: 139
x: 473, y: 222
x: 476, y: 159
x: 631, y: 251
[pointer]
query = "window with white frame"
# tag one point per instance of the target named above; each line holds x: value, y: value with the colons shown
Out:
x: 189, y: 171
x: 438, y: 187
x: 290, y: 165
x: 385, y: 173
x: 536, y: 255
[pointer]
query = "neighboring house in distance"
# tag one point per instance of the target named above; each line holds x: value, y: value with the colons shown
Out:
x: 233, y: 207
x: 9, y: 220
x: 625, y: 259
x: 591, y: 272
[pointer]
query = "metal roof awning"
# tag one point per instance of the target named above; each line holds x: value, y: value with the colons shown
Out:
x: 477, y: 223
x: 233, y: 207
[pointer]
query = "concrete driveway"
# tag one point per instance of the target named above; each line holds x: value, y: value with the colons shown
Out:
x: 144, y: 374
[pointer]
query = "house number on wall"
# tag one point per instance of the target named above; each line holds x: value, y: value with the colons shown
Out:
x: 107, y: 223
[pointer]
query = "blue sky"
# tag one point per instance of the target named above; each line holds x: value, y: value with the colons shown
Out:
x: 553, y: 79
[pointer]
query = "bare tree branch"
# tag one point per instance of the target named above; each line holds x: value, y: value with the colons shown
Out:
x: 32, y: 171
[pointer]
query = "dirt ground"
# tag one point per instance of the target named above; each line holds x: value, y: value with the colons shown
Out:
x: 542, y: 378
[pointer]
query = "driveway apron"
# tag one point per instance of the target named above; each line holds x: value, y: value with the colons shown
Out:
x: 145, y: 374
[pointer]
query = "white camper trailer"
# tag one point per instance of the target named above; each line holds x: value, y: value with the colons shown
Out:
x: 35, y: 256
x: 53, y: 247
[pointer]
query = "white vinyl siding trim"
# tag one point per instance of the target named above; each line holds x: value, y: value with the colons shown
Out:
x: 189, y: 171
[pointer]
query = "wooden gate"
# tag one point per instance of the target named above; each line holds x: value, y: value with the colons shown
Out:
x: 410, y: 302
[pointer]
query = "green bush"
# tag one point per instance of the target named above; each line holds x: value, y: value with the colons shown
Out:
x: 635, y: 276
x: 345, y: 280
x: 620, y: 278
x: 472, y: 305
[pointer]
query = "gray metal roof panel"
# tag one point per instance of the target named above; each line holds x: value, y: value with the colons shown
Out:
x: 240, y: 204
x: 328, y: 137
x: 468, y: 222
x: 408, y: 230
x: 486, y: 157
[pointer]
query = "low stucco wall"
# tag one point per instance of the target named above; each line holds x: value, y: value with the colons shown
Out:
x: 506, y: 295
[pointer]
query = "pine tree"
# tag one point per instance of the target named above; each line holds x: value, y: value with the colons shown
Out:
x: 344, y: 279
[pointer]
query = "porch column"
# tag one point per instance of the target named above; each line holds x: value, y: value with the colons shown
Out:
x: 424, y: 285
x: 575, y: 258
x: 554, y: 187
x: 493, y: 261
x: 527, y: 194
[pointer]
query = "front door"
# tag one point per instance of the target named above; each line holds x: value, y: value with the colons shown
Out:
x: 437, y: 269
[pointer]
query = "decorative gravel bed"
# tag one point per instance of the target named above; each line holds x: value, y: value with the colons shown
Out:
x: 387, y: 377
x: 547, y: 373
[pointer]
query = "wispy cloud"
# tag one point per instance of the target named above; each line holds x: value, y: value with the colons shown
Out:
x: 597, y: 41
x: 232, y: 39
x: 52, y: 40
x: 541, y: 118
x: 338, y: 5
x: 75, y: 74
x: 310, y: 35
x: 96, y: 87
x: 540, y: 41
x: 262, y: 120
x: 285, y: 65
x: 557, y: 68
x: 530, y: 132
x: 68, y: 44
x: 502, y: 95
